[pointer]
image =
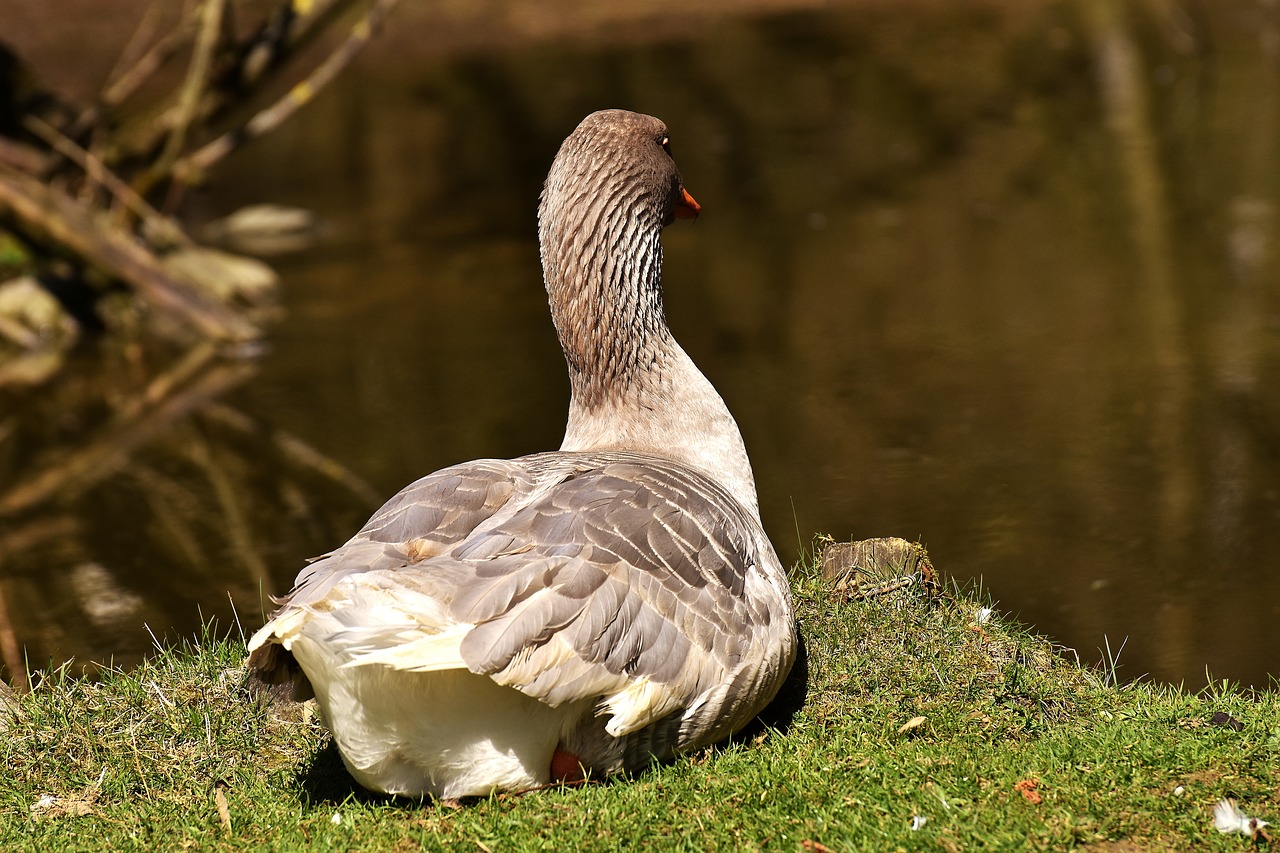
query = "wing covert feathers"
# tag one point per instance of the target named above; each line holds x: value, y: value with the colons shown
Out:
x: 630, y: 580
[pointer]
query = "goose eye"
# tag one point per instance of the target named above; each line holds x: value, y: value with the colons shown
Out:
x: 665, y: 142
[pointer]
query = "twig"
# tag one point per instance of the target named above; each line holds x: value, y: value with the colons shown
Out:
x: 126, y: 84
x: 22, y: 157
x: 192, y: 90
x: 58, y: 221
x: 239, y: 72
x: 201, y: 160
x: 289, y: 29
x: 135, y: 48
x: 97, y: 172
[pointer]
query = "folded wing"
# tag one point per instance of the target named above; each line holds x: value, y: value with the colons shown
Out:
x: 628, y: 580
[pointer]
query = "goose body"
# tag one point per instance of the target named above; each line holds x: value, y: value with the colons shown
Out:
x: 501, y: 624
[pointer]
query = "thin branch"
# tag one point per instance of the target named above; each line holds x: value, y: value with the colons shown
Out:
x: 124, y: 85
x: 96, y: 171
x: 192, y: 90
x: 267, y: 120
x: 135, y: 48
x: 291, y: 28
x: 128, y: 82
x: 22, y: 157
x: 57, y: 221
x: 240, y: 72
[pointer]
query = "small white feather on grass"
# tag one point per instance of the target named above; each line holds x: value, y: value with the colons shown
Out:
x: 1227, y: 817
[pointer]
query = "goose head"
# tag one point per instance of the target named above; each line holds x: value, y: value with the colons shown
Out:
x: 612, y: 188
x: 615, y: 159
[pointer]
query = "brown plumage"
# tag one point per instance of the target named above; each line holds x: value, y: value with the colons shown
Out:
x: 611, y: 602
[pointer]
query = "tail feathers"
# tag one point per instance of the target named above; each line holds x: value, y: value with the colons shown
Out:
x: 363, y: 621
x: 403, y: 648
x: 280, y: 629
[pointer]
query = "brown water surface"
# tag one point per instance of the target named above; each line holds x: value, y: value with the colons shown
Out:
x: 1000, y: 277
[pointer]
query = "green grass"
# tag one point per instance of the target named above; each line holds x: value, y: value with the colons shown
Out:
x: 140, y: 759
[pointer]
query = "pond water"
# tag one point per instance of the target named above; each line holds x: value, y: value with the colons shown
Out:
x: 997, y: 277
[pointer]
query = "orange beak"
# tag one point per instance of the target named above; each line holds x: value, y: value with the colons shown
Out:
x: 686, y: 207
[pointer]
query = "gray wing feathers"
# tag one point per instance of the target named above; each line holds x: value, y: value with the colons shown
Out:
x: 583, y: 575
x: 424, y: 519
x: 445, y: 507
x: 636, y: 570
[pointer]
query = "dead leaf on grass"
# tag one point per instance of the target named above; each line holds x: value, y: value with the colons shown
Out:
x: 224, y: 813
x: 912, y: 724
x: 1028, y: 789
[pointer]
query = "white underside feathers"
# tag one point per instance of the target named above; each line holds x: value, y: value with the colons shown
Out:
x: 448, y: 733
x: 408, y: 715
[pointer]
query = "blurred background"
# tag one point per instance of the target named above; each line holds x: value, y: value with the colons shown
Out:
x: 999, y: 276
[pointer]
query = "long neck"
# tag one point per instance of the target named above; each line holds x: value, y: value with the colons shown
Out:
x: 633, y: 387
x: 603, y: 270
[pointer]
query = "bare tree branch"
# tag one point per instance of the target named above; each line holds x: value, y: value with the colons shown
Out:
x: 197, y: 163
x: 192, y: 91
x: 57, y: 220
x: 155, y: 223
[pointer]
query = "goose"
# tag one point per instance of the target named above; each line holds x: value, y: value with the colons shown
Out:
x: 507, y: 624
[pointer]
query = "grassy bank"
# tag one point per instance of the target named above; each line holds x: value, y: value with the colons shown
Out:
x: 1018, y: 748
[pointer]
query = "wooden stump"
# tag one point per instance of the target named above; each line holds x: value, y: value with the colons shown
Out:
x: 872, y: 567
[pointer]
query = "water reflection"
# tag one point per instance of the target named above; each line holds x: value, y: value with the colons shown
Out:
x: 134, y: 494
x: 1000, y: 279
